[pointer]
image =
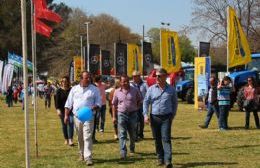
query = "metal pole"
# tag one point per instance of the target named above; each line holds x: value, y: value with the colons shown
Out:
x: 228, y: 22
x: 33, y: 33
x: 81, y: 53
x: 142, y: 50
x: 87, y: 45
x: 25, y: 81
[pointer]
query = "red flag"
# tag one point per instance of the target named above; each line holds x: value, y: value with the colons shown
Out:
x: 42, y: 28
x: 42, y: 12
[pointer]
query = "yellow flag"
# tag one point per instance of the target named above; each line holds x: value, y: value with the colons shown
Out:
x: 134, y: 59
x: 238, y: 48
x: 77, y: 68
x: 170, y: 51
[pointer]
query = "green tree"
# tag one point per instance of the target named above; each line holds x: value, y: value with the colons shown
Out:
x: 154, y: 37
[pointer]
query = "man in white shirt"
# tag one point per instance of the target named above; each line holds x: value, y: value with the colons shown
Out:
x: 84, y: 94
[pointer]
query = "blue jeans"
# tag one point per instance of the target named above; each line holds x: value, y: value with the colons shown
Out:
x: 69, y: 128
x: 127, y: 123
x: 101, y: 117
x: 212, y: 108
x: 140, y: 124
x: 161, y: 128
x: 223, y: 116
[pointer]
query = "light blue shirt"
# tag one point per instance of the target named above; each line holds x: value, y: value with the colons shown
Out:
x: 162, y: 102
x: 83, y: 97
x: 141, y: 87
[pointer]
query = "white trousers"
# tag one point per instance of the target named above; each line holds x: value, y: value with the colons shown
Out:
x: 84, y: 132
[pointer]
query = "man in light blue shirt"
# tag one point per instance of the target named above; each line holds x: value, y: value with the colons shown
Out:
x: 163, y: 100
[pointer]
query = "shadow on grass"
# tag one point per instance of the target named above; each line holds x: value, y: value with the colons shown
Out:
x: 240, y: 146
x: 196, y: 164
x: 172, y: 138
x: 109, y: 141
x: 128, y: 160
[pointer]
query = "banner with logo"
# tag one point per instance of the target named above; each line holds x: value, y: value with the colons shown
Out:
x: 17, y: 60
x: 204, y: 48
x: 170, y: 51
x: 120, y: 59
x: 202, y: 75
x: 238, y: 47
x: 71, y: 71
x: 105, y: 62
x: 147, y: 58
x: 94, y: 59
x: 77, y: 68
x: 134, y: 59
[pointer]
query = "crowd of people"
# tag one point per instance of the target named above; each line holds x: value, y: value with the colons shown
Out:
x: 131, y: 106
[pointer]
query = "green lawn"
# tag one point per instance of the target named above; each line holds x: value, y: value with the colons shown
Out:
x: 192, y: 146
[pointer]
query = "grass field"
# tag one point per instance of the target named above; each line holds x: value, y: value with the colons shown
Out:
x: 192, y: 146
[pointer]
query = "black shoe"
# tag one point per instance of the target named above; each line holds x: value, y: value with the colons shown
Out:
x: 95, y: 141
x: 160, y: 163
x: 203, y: 126
x: 246, y: 127
x: 168, y: 165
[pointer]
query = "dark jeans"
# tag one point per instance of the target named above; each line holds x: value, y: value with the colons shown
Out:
x: 223, y: 116
x: 161, y: 128
x: 101, y: 117
x: 255, y: 116
x: 47, y: 102
x: 95, y: 125
x: 127, y: 123
x: 140, y: 124
x: 69, y: 128
x: 212, y: 108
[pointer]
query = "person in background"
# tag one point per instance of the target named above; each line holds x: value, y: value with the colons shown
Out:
x: 111, y: 95
x: 61, y: 98
x: 163, y: 100
x: 126, y: 103
x: 15, y: 94
x: 9, y: 96
x: 224, y: 91
x: 101, y: 117
x: 48, y: 91
x: 212, y: 102
x: 82, y: 95
x: 250, y: 93
x: 139, y: 84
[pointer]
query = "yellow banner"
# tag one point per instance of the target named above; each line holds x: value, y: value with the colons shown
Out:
x: 170, y: 51
x: 77, y: 68
x: 238, y: 48
x: 134, y: 59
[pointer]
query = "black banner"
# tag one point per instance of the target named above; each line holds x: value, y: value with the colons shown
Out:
x: 71, y: 71
x: 204, y: 49
x: 94, y: 59
x: 105, y: 62
x: 147, y: 58
x: 121, y: 59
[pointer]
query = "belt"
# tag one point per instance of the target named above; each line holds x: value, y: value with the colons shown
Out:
x: 128, y: 112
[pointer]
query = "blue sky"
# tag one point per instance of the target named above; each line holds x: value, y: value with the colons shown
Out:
x: 135, y: 13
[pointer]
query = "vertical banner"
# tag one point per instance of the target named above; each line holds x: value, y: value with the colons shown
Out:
x: 71, y: 71
x: 170, y: 51
x: 147, y: 58
x: 202, y: 75
x: 94, y: 59
x: 134, y: 59
x: 120, y: 59
x: 237, y: 46
x: 7, y: 77
x: 105, y: 62
x: 204, y: 48
x: 77, y: 68
x: 1, y: 72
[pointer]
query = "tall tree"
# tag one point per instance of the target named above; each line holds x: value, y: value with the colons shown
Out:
x: 209, y: 17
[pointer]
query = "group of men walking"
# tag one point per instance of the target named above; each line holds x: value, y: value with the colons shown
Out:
x: 130, y: 109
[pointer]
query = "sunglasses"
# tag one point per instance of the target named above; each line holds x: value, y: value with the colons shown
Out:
x: 249, y: 80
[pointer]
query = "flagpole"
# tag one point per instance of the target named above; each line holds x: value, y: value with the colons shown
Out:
x: 33, y: 34
x: 228, y: 22
x: 25, y: 82
x: 161, y: 47
x: 142, y: 50
x: 81, y: 54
